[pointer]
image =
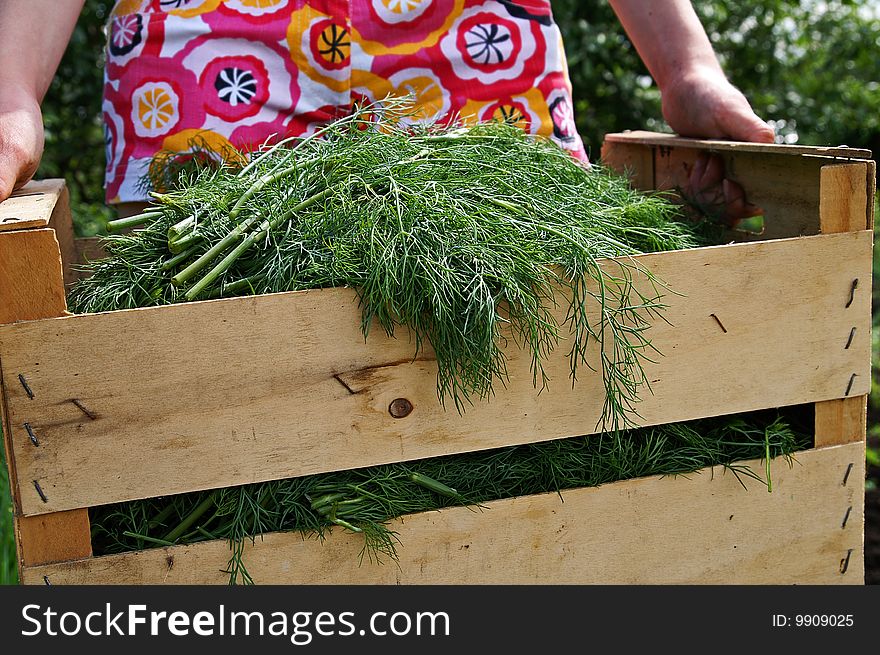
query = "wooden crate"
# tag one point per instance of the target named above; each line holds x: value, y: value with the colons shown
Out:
x: 148, y: 402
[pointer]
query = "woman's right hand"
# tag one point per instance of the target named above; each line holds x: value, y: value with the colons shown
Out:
x: 21, y: 136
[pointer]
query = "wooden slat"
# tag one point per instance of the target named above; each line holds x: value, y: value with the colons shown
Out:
x: 846, y: 198
x: 31, y: 280
x: 632, y: 159
x: 841, y: 421
x: 226, y: 392
x: 659, y: 139
x: 48, y: 537
x: 843, y: 197
x: 32, y: 287
x: 62, y: 222
x: 786, y: 188
x: 703, y: 529
x: 32, y: 205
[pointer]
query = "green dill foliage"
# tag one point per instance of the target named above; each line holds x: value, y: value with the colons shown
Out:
x: 363, y: 500
x: 459, y: 233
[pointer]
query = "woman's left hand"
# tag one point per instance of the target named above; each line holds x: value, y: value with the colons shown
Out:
x: 703, y: 103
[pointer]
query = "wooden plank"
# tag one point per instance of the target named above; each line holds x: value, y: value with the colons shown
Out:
x: 32, y: 287
x: 843, y: 207
x: 32, y: 205
x: 634, y: 160
x: 31, y: 279
x: 786, y: 188
x: 47, y: 538
x: 702, y: 529
x: 62, y: 222
x: 662, y: 140
x: 843, y: 197
x: 241, y: 390
x: 841, y: 421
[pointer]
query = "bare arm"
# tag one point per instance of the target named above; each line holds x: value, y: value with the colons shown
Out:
x: 698, y: 100
x: 33, y: 37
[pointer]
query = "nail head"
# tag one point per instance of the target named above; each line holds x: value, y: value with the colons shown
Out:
x: 400, y: 408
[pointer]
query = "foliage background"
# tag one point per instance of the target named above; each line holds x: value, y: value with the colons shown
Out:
x: 808, y: 66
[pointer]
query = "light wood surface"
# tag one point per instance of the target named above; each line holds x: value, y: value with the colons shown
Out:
x: 845, y: 199
x: 54, y: 537
x: 61, y: 221
x: 241, y: 390
x: 31, y: 279
x: 780, y: 180
x: 704, y: 529
x: 841, y: 421
x: 633, y: 159
x: 32, y: 205
x: 660, y: 139
x: 32, y: 287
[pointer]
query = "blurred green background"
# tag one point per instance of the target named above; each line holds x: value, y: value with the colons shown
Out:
x: 810, y: 67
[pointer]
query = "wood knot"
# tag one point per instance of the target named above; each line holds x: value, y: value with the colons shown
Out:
x: 400, y: 408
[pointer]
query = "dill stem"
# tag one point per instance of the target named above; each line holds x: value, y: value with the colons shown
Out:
x: 143, y: 537
x: 265, y: 227
x: 244, y: 284
x: 215, y: 250
x: 132, y: 221
x: 194, y: 516
x: 161, y: 516
x: 183, y: 243
x: 261, y: 183
x: 178, y: 258
x: 345, y: 524
x: 181, y: 228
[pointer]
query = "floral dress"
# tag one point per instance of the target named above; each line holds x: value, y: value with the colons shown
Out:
x: 184, y: 74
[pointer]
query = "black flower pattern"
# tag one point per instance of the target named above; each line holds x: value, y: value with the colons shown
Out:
x: 335, y: 45
x: 235, y: 86
x: 483, y: 43
x: 126, y: 33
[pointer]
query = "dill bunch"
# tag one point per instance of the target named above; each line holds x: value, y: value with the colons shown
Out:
x: 459, y: 233
x: 364, y: 500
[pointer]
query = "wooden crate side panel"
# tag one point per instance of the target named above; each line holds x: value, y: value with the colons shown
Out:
x: 785, y: 187
x: 845, y: 203
x: 659, y: 139
x: 62, y: 222
x: 212, y: 394
x: 633, y: 159
x: 32, y: 287
x: 32, y: 206
x: 701, y: 529
x: 31, y: 278
x: 841, y: 421
x: 54, y: 537
x: 843, y: 197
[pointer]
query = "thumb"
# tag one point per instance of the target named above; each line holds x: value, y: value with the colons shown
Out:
x: 742, y: 124
x: 7, y: 179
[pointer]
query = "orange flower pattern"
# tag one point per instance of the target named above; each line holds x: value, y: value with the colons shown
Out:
x: 184, y: 73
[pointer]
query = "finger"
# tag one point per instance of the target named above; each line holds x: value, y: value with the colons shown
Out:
x: 14, y: 173
x: 7, y: 180
x: 713, y: 173
x: 742, y: 124
x: 697, y: 172
x: 736, y: 207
